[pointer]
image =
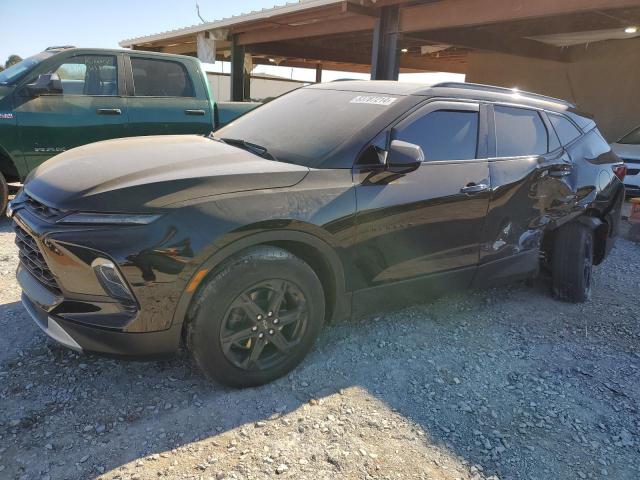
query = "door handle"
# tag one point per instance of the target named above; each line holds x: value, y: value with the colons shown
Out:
x: 474, y: 188
x: 195, y: 112
x: 109, y: 111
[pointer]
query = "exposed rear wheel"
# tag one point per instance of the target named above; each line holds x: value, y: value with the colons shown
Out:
x: 257, y: 318
x: 572, y: 263
x: 4, y: 195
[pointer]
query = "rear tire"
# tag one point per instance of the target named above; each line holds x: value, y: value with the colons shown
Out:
x: 256, y: 318
x: 572, y: 263
x: 4, y: 195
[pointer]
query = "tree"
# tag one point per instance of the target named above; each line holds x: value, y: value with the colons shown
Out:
x: 12, y: 60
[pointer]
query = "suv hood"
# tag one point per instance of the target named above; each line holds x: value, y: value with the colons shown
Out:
x: 144, y: 173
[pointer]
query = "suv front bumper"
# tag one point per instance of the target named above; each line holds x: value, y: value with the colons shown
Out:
x: 68, y: 303
x: 38, y: 300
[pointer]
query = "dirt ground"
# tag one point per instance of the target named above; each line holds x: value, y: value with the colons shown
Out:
x: 499, y: 384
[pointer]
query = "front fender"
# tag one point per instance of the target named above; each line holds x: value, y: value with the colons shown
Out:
x: 328, y: 254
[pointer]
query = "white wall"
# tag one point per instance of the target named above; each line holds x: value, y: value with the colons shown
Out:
x: 603, y: 81
x: 261, y: 87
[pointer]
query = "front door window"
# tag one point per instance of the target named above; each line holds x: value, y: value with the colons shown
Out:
x: 94, y: 75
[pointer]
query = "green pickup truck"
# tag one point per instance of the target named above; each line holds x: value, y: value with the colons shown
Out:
x: 65, y: 97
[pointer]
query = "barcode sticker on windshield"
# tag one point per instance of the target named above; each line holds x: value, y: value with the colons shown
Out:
x: 371, y: 100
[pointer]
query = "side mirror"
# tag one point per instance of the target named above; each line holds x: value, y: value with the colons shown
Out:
x: 404, y: 157
x: 47, y: 83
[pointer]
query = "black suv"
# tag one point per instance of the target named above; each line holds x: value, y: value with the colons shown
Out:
x: 330, y: 201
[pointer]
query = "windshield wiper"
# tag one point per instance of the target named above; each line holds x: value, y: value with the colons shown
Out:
x: 251, y: 147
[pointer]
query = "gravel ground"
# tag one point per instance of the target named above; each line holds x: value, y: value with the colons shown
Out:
x: 506, y: 384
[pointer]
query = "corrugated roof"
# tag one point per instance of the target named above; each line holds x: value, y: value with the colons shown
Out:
x: 265, y: 13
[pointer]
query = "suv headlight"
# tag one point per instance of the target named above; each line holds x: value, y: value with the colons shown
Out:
x: 109, y: 218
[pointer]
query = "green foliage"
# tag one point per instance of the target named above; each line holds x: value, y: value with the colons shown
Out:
x: 12, y: 60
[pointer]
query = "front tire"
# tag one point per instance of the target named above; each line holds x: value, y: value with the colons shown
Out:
x: 572, y: 263
x: 256, y: 318
x: 4, y: 195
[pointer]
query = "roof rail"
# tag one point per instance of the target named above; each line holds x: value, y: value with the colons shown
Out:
x: 61, y: 47
x: 511, y: 91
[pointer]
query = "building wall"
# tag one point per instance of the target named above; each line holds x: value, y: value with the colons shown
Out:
x: 604, y: 80
x: 261, y: 87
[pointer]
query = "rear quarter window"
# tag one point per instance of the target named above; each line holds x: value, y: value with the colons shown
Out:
x: 519, y: 132
x: 566, y: 130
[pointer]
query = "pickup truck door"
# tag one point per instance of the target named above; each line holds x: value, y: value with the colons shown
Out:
x: 427, y: 224
x: 166, y: 97
x: 91, y: 108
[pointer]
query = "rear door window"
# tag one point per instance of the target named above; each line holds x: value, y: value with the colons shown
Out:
x: 519, y: 132
x: 566, y: 130
x: 444, y: 134
x: 160, y: 78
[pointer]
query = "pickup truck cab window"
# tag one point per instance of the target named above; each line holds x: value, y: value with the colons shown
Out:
x: 444, y: 134
x: 160, y: 78
x: 519, y: 132
x: 89, y: 75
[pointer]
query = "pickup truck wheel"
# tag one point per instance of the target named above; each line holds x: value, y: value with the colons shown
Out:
x: 572, y: 263
x: 257, y: 318
x: 4, y: 195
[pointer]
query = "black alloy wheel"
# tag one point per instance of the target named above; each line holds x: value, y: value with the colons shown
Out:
x: 263, y: 325
x: 256, y: 317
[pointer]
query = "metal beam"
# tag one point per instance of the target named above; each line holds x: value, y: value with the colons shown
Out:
x: 321, y: 54
x: 385, y: 59
x: 349, y: 7
x: 182, y: 49
x: 467, y: 13
x: 330, y: 27
x: 481, y: 40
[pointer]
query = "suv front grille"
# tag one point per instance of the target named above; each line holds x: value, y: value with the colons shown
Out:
x: 31, y: 258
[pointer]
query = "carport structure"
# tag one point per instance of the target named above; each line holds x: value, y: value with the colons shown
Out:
x: 587, y: 51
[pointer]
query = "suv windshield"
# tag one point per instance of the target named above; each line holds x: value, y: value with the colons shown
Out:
x: 632, y: 138
x: 308, y: 124
x: 15, y: 72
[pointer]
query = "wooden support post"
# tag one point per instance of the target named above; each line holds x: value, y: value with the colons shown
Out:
x: 318, y: 73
